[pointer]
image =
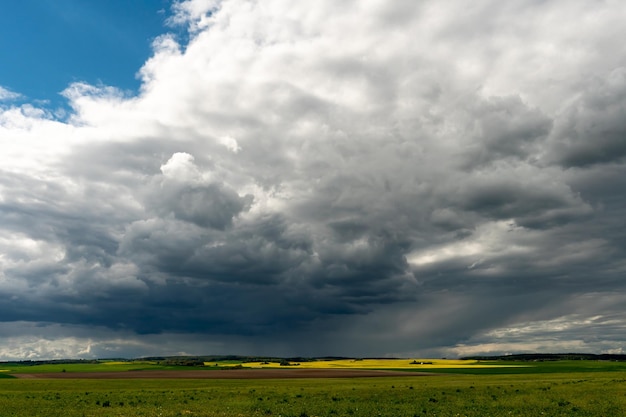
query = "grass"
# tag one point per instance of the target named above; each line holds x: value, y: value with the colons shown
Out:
x: 548, y: 367
x: 574, y: 394
x: 553, y: 388
x: 105, y: 366
x: 420, y: 365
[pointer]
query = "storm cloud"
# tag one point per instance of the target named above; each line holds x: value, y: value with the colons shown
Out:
x: 344, y: 178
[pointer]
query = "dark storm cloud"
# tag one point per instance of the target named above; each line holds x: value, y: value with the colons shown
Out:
x: 46, y: 212
x: 523, y: 196
x: 592, y: 129
x: 433, y: 183
x: 210, y: 205
x: 504, y: 127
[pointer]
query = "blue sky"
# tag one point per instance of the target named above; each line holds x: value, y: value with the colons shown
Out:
x: 354, y: 178
x: 47, y: 44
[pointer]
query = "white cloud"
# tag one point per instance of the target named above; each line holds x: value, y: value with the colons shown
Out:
x: 181, y: 167
x: 6, y: 94
x: 194, y: 13
x: 40, y: 341
x: 230, y: 143
x: 571, y: 333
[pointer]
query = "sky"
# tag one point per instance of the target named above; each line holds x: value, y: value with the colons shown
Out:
x: 46, y: 45
x: 358, y: 178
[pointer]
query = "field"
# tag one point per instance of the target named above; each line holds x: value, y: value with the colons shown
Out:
x: 563, y: 388
x: 404, y: 364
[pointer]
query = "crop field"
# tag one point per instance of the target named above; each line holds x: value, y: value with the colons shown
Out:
x: 404, y: 364
x: 592, y: 388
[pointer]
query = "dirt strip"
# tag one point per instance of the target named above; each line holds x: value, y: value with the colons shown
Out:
x: 230, y: 374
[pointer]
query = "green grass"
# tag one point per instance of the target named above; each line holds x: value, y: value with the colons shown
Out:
x: 553, y: 388
x: 536, y: 367
x: 94, y: 367
x: 511, y: 367
x: 556, y: 394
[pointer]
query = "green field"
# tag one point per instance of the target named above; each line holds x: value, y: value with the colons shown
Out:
x: 474, y: 367
x: 564, y: 388
x: 84, y: 367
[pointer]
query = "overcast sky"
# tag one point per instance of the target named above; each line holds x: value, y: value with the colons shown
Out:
x: 358, y: 178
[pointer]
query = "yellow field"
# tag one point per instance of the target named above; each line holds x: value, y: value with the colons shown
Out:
x: 410, y: 363
x: 378, y: 364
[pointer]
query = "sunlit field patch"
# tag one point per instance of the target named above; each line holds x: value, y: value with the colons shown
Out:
x: 379, y: 364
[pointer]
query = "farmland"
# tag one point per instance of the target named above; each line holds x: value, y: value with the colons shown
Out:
x: 559, y: 388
